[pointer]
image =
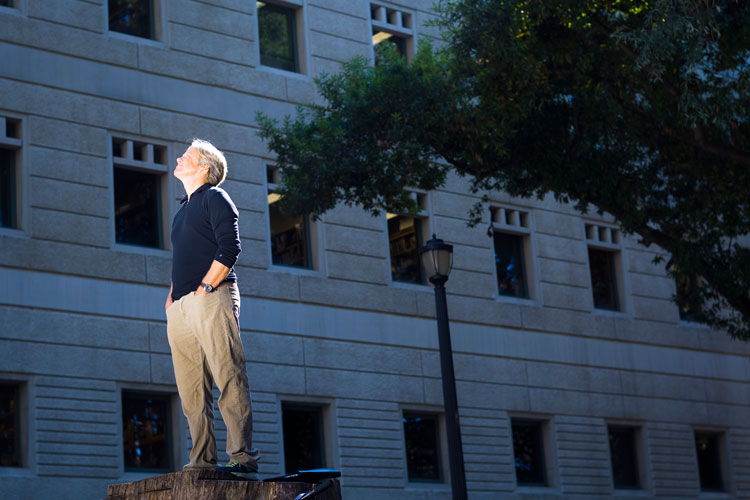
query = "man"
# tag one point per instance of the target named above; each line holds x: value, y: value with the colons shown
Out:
x: 203, y: 309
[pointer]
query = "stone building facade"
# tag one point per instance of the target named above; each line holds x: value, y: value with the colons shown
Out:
x: 557, y: 396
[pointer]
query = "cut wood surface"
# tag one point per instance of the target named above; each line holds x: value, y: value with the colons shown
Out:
x: 211, y: 484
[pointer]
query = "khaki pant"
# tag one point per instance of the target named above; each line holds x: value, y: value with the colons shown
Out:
x: 204, y: 335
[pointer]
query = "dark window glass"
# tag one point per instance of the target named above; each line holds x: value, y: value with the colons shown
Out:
x: 303, y: 437
x: 137, y: 213
x: 139, y: 151
x: 117, y: 148
x: 603, y: 281
x: 278, y: 36
x: 7, y: 188
x: 6, y: 3
x: 709, y: 461
x: 511, y: 278
x: 133, y: 17
x: 290, y: 238
x: 146, y: 434
x: 12, y: 128
x: 405, y: 239
x: 689, y: 299
x: 10, y: 441
x: 528, y: 450
x: 160, y: 155
x: 422, y: 446
x: 622, y: 450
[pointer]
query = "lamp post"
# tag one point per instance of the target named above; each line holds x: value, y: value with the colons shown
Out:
x: 437, y: 259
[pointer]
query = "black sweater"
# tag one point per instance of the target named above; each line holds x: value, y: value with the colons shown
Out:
x: 204, y: 229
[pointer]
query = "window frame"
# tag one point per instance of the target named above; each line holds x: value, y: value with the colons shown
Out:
x: 176, y: 437
x: 21, y: 174
x: 26, y: 425
x: 395, y: 21
x: 314, y: 228
x: 328, y: 439
x: 638, y: 455
x: 166, y: 209
x: 422, y: 198
x: 159, y: 25
x: 515, y: 221
x: 608, y: 238
x: 722, y: 466
x: 302, y: 54
x: 547, y: 446
x: 442, y: 449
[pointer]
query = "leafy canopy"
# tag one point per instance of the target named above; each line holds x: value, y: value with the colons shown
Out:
x: 637, y: 108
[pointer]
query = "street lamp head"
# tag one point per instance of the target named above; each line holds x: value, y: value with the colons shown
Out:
x: 437, y: 259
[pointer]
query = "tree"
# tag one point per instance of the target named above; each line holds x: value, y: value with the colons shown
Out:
x: 638, y: 108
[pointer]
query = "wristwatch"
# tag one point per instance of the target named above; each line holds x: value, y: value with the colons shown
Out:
x: 208, y: 288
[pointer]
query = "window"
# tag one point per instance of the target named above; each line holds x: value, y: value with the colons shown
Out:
x: 304, y: 445
x: 528, y: 452
x: 422, y: 441
x: 146, y: 431
x: 6, y: 3
x: 10, y: 422
x: 604, y: 266
x: 291, y: 236
x: 140, y: 186
x: 624, y: 456
x: 406, y: 235
x: 510, y: 233
x: 278, y: 36
x: 393, y: 26
x: 133, y: 17
x: 708, y: 452
x: 10, y: 172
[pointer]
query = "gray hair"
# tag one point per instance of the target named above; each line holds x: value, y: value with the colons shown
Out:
x: 214, y: 159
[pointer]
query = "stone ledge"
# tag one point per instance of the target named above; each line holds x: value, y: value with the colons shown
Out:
x: 211, y: 484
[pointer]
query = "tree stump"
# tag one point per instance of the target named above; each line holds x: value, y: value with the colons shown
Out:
x: 210, y: 485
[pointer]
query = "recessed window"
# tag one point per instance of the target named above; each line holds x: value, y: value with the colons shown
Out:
x: 10, y: 172
x: 137, y: 203
x: 708, y: 452
x: 604, y: 248
x: 405, y: 238
x: 8, y: 217
x: 6, y: 3
x: 146, y: 431
x: 624, y: 456
x: 277, y: 33
x: 139, y: 186
x: 393, y: 26
x: 291, y: 236
x: 510, y: 233
x: 133, y: 17
x: 603, y: 279
x: 304, y: 444
x: 510, y: 265
x: 422, y: 441
x: 528, y: 452
x: 10, y: 422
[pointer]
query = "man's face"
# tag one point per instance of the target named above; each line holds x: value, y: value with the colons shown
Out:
x: 188, y: 167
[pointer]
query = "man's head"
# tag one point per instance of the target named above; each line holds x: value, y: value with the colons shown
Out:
x: 202, y: 160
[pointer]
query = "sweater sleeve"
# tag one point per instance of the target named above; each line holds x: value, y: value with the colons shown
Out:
x: 224, y: 222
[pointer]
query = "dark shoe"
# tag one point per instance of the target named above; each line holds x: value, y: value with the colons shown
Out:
x: 240, y: 470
